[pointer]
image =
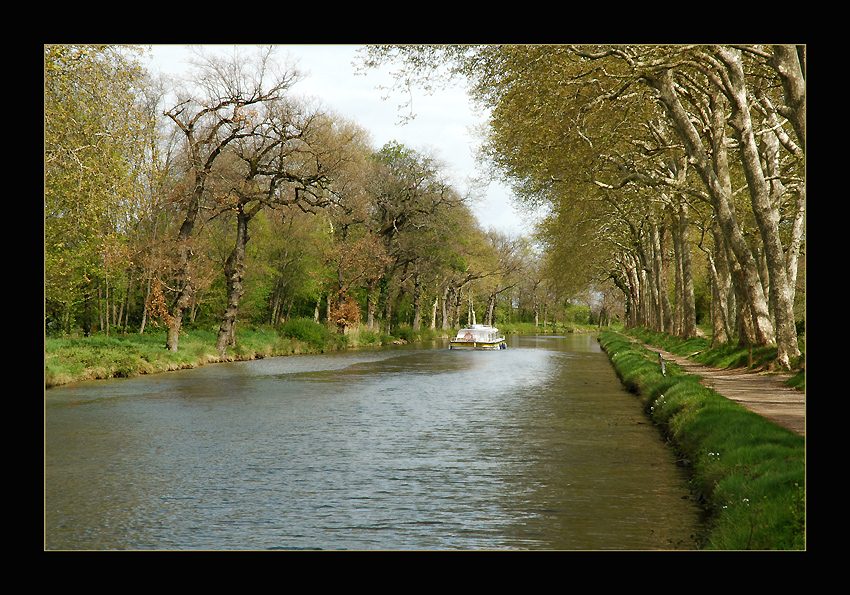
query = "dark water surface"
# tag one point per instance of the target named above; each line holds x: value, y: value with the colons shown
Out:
x: 534, y: 447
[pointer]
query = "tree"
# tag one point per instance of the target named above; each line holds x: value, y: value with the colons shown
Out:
x: 289, y: 159
x: 93, y: 128
x: 409, y: 198
x: 211, y: 119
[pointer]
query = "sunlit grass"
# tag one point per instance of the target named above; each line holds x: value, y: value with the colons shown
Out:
x: 551, y: 328
x: 72, y: 359
x: 748, y: 472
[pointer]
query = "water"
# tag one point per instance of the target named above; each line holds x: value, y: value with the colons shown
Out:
x: 534, y: 447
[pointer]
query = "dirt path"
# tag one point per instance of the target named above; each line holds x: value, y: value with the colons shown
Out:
x: 766, y: 394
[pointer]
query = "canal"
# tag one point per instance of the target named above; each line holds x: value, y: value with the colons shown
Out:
x: 537, y: 447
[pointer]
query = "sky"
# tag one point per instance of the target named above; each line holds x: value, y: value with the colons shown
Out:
x: 444, y: 126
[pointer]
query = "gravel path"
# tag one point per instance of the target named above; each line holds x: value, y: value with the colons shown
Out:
x: 764, y: 393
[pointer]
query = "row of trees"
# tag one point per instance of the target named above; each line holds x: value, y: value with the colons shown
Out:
x: 227, y: 199
x: 653, y: 161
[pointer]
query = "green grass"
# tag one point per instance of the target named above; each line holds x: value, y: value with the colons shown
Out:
x: 528, y: 328
x: 72, y: 359
x: 748, y: 472
x: 88, y: 358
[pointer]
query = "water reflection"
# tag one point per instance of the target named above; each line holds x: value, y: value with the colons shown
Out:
x: 534, y: 447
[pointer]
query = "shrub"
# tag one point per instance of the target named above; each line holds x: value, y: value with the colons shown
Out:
x: 406, y: 333
x: 367, y: 337
x: 306, y: 330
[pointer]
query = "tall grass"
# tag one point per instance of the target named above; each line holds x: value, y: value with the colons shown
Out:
x: 748, y: 472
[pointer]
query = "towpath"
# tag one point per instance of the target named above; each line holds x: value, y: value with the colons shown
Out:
x: 764, y: 393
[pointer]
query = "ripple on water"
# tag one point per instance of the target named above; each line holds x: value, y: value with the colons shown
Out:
x: 534, y: 447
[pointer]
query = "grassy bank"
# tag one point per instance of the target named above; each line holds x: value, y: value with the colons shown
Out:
x: 559, y: 328
x: 748, y: 473
x: 72, y: 359
x: 731, y: 355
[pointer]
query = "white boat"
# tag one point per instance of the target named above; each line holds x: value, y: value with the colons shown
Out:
x: 478, y: 336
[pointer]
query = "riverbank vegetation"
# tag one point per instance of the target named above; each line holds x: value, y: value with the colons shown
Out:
x: 123, y: 355
x: 748, y: 472
x: 72, y: 359
x: 672, y: 179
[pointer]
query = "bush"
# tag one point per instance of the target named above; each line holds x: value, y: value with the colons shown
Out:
x: 405, y: 333
x: 306, y: 330
x: 367, y: 337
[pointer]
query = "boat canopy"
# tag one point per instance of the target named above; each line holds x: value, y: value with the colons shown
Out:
x: 479, y: 333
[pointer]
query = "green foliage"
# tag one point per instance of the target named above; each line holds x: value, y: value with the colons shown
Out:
x: 577, y: 313
x: 702, y: 300
x: 405, y: 333
x: 93, y: 127
x: 749, y: 472
x: 798, y: 380
x: 367, y: 337
x: 306, y: 330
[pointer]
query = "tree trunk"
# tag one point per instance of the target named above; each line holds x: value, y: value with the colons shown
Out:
x: 100, y: 308
x: 744, y: 317
x: 417, y: 302
x: 234, y: 272
x: 689, y: 312
x: 792, y: 255
x: 127, y: 302
x: 328, y: 321
x: 678, y: 291
x: 649, y: 291
x: 724, y: 263
x: 790, y: 64
x: 106, y: 305
x: 86, y: 313
x: 719, y: 334
x: 633, y: 282
x: 371, y: 303
x: 764, y: 276
x: 185, y: 286
x: 445, y: 307
x: 491, y: 309
x: 434, y: 313
x: 388, y: 311
x: 663, y: 265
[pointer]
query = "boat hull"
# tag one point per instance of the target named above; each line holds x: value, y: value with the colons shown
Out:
x: 478, y: 345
